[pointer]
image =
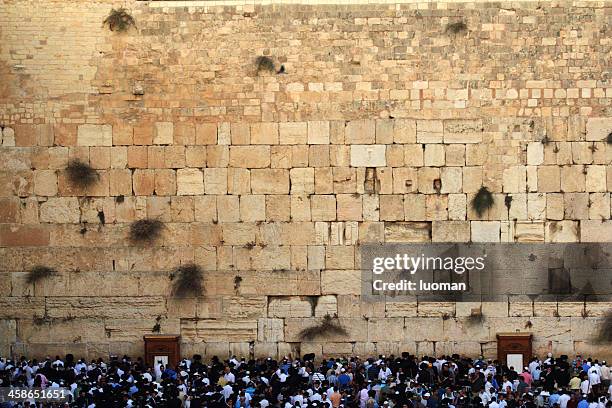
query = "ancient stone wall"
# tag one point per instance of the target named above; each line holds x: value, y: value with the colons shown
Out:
x: 386, y: 121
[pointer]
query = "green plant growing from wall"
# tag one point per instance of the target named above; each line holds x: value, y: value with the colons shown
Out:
x: 482, y: 201
x: 328, y: 325
x: 187, y: 280
x: 81, y: 174
x: 145, y: 230
x: 455, y: 28
x: 38, y: 273
x: 119, y: 20
x: 264, y: 64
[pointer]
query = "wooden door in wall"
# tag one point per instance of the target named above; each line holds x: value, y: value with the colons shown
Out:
x: 514, y: 349
x: 162, y: 347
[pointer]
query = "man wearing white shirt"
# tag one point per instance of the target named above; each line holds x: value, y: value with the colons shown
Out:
x: 384, y: 372
x: 227, y: 391
x: 229, y: 376
x: 563, y: 399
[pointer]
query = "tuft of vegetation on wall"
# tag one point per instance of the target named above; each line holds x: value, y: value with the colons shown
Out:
x: 119, y: 20
x: 81, y: 174
x: 38, y: 273
x: 482, y: 201
x: 264, y: 64
x: 455, y: 28
x: 187, y: 280
x: 145, y: 230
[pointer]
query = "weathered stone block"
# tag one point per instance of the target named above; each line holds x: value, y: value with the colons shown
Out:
x: 164, y: 133
x: 249, y: 156
x: 360, y: 132
x: 597, y: 129
x: 95, y: 135
x: 407, y: 231
x: 318, y: 132
x: 189, y: 182
x: 368, y: 155
x: 291, y: 306
x: 61, y: 210
x: 293, y: 133
x: 270, y: 181
x: 450, y: 231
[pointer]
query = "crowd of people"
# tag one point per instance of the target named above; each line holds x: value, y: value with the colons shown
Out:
x: 403, y: 381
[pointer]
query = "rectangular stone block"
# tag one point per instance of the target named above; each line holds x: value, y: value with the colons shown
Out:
x: 95, y: 135
x: 270, y: 181
x: 189, y: 182
x: 293, y: 133
x: 360, y: 132
x: 407, y: 231
x: 368, y: 155
x: 164, y: 133
x: 249, y: 156
x: 318, y: 132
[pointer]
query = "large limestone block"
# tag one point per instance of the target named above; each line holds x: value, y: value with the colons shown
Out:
x: 596, y: 231
x: 8, y: 137
x: 95, y: 135
x: 360, y: 131
x: 211, y: 330
x: 293, y: 133
x: 485, y: 231
x: 64, y: 210
x: 302, y: 180
x: 264, y: 133
x: 291, y: 306
x: 450, y: 231
x: 525, y: 231
x: 45, y: 183
x: 598, y: 129
x: 164, y: 133
x: 132, y: 330
x: 189, y: 182
x: 562, y: 231
x: 265, y: 350
x: 407, y: 231
x: 270, y: 181
x: 244, y: 307
x: 249, y: 156
x: 21, y: 307
x: 404, y: 131
x: 318, y: 132
x: 430, y: 131
x: 368, y: 155
x: 340, y: 282
x: 325, y: 305
x: 424, y: 328
x: 535, y: 153
x: 401, y: 309
x: 63, y: 331
x: 353, y: 305
x: 340, y: 257
x: 286, y: 283
x: 215, y: 180
x: 8, y: 335
x: 105, y: 307
x: 385, y: 329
